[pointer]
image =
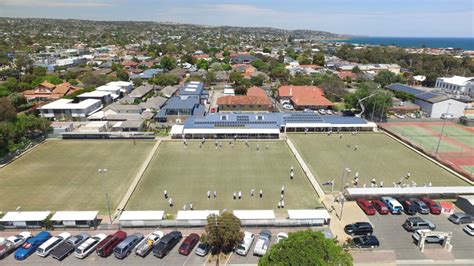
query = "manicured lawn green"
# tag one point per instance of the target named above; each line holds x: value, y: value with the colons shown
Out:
x: 424, y: 138
x: 62, y: 175
x: 377, y: 156
x: 459, y: 134
x: 187, y: 175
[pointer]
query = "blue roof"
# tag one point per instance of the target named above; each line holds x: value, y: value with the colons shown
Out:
x: 147, y: 74
x: 192, y: 88
x: 177, y: 102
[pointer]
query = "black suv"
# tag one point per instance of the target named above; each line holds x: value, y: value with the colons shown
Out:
x: 415, y: 223
x: 166, y: 243
x: 408, y: 206
x: 359, y: 229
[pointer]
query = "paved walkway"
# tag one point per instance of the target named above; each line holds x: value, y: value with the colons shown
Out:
x: 306, y: 169
x: 136, y: 180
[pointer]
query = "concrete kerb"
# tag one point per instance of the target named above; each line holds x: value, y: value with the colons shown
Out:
x: 306, y: 169
x: 388, y: 133
x: 136, y: 181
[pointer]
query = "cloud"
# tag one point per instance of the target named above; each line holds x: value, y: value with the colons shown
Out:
x: 57, y: 3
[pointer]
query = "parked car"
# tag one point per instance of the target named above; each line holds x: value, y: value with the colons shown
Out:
x: 411, y: 115
x: 203, y: 249
x: 421, y: 207
x: 460, y: 218
x: 399, y: 116
x: 322, y: 111
x: 432, y: 205
x: 188, y: 244
x: 366, y: 241
x: 52, y: 243
x: 281, y: 236
x: 393, y: 205
x: 447, y: 116
x: 285, y: 101
x: 329, y: 112
x: 288, y: 107
x: 380, y: 207
x: 147, y: 244
x: 8, y: 245
x: 31, y: 244
x: 415, y: 223
x: 124, y: 248
x: 84, y: 249
x: 366, y: 206
x: 106, y: 246
x: 469, y: 229
x: 67, y: 247
x: 359, y: 229
x: 429, y: 239
x: 408, y: 206
x: 263, y: 243
x: 213, y: 110
x: 167, y: 243
x: 245, y: 245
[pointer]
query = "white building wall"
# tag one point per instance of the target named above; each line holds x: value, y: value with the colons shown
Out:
x: 456, y: 108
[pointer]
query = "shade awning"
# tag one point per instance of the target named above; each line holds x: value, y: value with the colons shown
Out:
x: 254, y: 214
x: 74, y: 216
x: 308, y: 214
x: 195, y: 215
x: 25, y: 216
x: 142, y: 216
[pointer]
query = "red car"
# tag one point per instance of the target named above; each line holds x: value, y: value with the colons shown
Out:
x: 213, y: 110
x: 380, y: 206
x: 188, y: 244
x: 434, y: 207
x: 106, y: 246
x: 366, y: 206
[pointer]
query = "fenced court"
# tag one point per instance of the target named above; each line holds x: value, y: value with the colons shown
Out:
x: 63, y: 175
x: 371, y: 155
x: 456, y: 148
x: 187, y: 173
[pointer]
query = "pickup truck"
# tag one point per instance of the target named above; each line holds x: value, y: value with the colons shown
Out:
x: 8, y: 245
x: 147, y: 244
x: 66, y: 248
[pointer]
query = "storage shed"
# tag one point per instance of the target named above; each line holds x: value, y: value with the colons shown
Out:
x: 75, y: 219
x: 465, y: 203
x: 24, y: 219
x: 141, y: 218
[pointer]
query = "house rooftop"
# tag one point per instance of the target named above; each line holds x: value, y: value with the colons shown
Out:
x: 69, y: 104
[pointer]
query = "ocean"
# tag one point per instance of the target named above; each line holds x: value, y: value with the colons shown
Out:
x: 416, y: 42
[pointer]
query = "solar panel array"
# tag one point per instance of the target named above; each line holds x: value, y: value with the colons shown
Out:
x: 242, y: 118
x: 418, y: 93
x: 235, y: 123
x: 302, y: 118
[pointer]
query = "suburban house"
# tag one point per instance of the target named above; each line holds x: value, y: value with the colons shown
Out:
x: 169, y: 91
x: 194, y: 88
x: 67, y: 109
x: 344, y: 75
x: 48, y: 92
x: 178, y: 108
x: 255, y: 100
x: 245, y: 70
x: 304, y: 97
x: 432, y: 103
x: 104, y: 96
x: 456, y: 85
x: 125, y: 86
x: 147, y: 74
x: 242, y: 58
x: 142, y: 92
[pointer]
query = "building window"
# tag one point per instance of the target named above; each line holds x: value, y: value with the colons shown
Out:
x: 224, y: 117
x: 259, y: 117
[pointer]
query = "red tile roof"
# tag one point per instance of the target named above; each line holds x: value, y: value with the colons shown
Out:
x: 256, y: 91
x: 345, y: 74
x: 304, y: 95
x: 244, y: 100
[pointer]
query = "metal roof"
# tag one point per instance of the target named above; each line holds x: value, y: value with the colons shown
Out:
x: 22, y: 216
x: 74, y: 216
x: 195, y: 215
x: 141, y: 215
x: 419, y: 94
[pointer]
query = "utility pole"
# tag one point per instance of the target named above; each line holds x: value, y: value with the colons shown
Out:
x: 102, y: 171
x: 442, y: 130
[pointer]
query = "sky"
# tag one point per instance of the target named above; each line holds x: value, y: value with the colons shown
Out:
x: 414, y: 18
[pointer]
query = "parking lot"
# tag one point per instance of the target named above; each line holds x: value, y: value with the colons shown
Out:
x: 392, y: 236
x: 173, y: 258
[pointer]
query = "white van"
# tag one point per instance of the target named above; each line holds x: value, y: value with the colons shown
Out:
x: 447, y: 116
x: 51, y: 244
x: 88, y: 246
x: 245, y: 245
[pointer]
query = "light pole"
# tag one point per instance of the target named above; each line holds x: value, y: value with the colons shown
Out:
x: 348, y: 171
x: 442, y: 129
x: 102, y: 171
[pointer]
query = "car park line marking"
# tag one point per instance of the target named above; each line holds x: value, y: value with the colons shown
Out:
x: 207, y: 259
x: 227, y: 261
x: 190, y: 255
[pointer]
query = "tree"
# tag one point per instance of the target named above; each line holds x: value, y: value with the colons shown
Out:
x: 223, y: 232
x: 168, y: 63
x: 39, y: 71
x: 165, y: 80
x: 318, y: 59
x: 210, y: 77
x: 376, y: 106
x: 386, y: 77
x: 260, y: 65
x: 356, y: 70
x: 7, y: 110
x: 202, y: 64
x: 258, y: 80
x: 306, y: 248
x: 137, y: 82
x: 122, y: 75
